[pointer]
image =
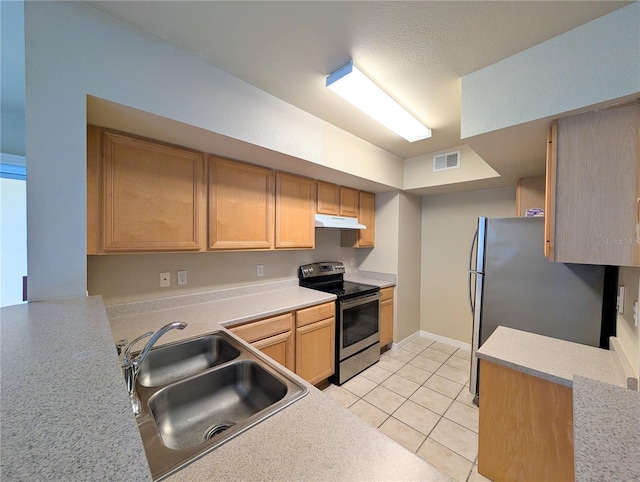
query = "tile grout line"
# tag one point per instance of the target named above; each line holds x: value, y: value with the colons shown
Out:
x: 405, y: 399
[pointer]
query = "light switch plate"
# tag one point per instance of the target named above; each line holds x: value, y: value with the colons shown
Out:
x: 165, y: 280
x: 620, y: 300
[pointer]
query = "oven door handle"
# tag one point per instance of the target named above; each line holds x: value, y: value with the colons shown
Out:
x: 346, y: 304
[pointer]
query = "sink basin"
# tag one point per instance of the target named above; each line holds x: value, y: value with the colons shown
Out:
x: 199, y: 393
x: 194, y: 411
x: 177, y: 361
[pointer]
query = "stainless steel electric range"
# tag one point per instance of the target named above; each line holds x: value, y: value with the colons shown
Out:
x: 357, y: 317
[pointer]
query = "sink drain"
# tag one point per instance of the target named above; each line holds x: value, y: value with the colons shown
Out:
x: 217, y: 429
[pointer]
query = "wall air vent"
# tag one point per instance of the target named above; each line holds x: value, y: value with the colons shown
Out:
x: 450, y: 160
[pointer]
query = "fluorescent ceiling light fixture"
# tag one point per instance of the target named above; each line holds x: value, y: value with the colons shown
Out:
x: 352, y: 85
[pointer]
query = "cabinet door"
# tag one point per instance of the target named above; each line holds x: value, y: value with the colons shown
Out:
x: 597, y: 189
x: 366, y: 216
x: 279, y: 348
x: 525, y: 428
x: 328, y: 198
x: 295, y: 211
x: 273, y: 336
x: 362, y: 238
x: 315, y: 350
x: 386, y: 316
x: 315, y: 342
x: 241, y: 205
x: 348, y: 202
x: 152, y: 196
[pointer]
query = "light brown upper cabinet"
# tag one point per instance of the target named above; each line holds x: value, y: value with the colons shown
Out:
x: 529, y: 194
x: 143, y: 196
x: 595, y: 200
x: 348, y: 202
x: 295, y: 211
x: 241, y: 205
x: 328, y: 198
x: 362, y: 238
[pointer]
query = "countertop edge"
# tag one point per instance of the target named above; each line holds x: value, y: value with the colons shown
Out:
x: 549, y: 358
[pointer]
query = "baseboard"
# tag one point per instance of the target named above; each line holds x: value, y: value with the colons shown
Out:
x: 431, y: 336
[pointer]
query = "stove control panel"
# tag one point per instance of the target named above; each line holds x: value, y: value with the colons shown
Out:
x: 321, y: 269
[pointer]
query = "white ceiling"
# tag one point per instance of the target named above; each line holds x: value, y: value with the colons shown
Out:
x: 417, y: 51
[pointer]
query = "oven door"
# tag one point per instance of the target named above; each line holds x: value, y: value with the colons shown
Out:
x: 358, y: 324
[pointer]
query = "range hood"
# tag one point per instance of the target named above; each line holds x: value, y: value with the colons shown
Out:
x: 340, y: 222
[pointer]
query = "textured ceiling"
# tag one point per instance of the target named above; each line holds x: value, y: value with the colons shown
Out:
x: 417, y: 51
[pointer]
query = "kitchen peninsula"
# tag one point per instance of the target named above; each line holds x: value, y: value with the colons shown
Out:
x: 528, y: 404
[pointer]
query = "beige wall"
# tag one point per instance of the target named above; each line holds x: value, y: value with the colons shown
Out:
x: 408, y: 291
x: 66, y: 47
x: 418, y: 171
x: 123, y: 278
x: 448, y: 224
x: 628, y: 334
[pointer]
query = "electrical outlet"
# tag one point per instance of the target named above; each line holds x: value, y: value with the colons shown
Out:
x: 260, y: 270
x: 352, y: 261
x: 182, y: 277
x: 635, y: 313
x: 165, y: 280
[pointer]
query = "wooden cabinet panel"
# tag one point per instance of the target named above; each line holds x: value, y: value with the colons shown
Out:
x: 315, y: 313
x: 93, y: 192
x: 152, y: 196
x: 597, y: 187
x: 526, y: 427
x: 529, y: 194
x: 241, y: 205
x: 295, y: 211
x: 315, y: 350
x: 386, y: 316
x: 279, y: 348
x: 328, y: 198
x: 349, y: 202
x: 550, y: 192
x: 273, y: 336
x: 362, y: 238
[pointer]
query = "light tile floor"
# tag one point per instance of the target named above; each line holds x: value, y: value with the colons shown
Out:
x: 419, y: 396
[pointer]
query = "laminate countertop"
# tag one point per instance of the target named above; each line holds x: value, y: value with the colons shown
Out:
x: 556, y: 360
x: 66, y: 413
x: 606, y: 431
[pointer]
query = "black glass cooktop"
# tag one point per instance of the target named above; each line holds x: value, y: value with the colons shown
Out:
x: 345, y: 289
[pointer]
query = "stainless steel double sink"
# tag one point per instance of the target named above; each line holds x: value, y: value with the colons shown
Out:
x: 199, y: 393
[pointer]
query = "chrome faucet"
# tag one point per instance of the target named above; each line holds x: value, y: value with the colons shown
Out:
x: 131, y: 365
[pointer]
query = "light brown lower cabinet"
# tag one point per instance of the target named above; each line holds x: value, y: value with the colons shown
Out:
x: 386, y: 316
x: 302, y: 341
x: 273, y: 336
x: 526, y: 427
x: 315, y: 342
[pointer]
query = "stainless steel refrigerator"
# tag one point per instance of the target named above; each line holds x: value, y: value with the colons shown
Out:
x: 516, y: 286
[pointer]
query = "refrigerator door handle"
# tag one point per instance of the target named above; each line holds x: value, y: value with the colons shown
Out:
x: 472, y: 272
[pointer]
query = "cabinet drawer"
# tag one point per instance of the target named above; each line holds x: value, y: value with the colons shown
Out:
x: 258, y: 330
x: 315, y: 313
x: 386, y: 294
